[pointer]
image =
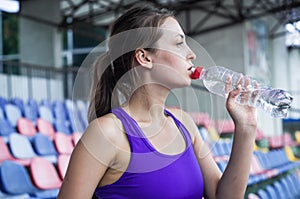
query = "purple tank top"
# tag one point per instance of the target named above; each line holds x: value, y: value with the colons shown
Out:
x: 154, y: 175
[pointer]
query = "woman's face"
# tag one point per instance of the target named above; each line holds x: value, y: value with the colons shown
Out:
x: 173, y: 59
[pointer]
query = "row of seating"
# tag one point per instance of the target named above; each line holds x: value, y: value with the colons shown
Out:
x: 286, y: 187
x: 66, y: 116
x: 40, y: 179
x: 21, y: 149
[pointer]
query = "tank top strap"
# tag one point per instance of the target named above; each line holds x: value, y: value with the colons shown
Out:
x: 181, y: 127
x: 135, y: 137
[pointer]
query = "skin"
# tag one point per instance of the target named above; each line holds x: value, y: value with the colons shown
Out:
x: 93, y: 168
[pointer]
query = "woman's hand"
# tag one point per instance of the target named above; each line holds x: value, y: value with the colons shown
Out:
x: 241, y: 113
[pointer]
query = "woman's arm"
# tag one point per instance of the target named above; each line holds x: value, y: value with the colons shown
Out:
x: 233, y: 182
x: 89, y: 161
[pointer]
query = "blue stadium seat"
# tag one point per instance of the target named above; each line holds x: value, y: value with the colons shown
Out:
x: 33, y: 104
x: 280, y: 191
x: 271, y: 192
x: 15, y: 179
x: 62, y: 126
x: 286, y: 188
x: 6, y: 155
x: 46, y: 113
x: 59, y: 110
x: 296, y: 182
x: 2, y: 116
x: 6, y: 128
x: 19, y: 103
x: 14, y: 196
x: 30, y: 113
x: 3, y: 102
x: 44, y: 147
x: 83, y: 110
x: 20, y: 146
x: 46, y: 102
x: 13, y: 113
x: 75, y: 119
x: 295, y: 190
x: 262, y: 194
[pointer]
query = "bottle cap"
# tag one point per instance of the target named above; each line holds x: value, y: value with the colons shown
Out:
x: 196, y: 72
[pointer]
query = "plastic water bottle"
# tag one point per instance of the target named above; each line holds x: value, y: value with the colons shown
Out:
x: 276, y: 102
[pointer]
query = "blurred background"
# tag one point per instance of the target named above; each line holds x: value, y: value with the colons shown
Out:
x: 44, y: 84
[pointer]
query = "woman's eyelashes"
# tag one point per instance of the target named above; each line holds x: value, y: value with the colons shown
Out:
x: 180, y: 44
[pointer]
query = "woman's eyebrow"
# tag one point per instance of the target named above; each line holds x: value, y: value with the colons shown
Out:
x: 180, y: 35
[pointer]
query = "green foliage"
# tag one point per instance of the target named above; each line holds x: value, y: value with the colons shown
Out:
x: 10, y: 33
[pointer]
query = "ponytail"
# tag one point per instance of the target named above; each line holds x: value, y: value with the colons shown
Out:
x: 101, y: 90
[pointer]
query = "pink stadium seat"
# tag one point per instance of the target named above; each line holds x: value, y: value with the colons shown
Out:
x: 62, y: 164
x: 76, y: 137
x: 63, y: 143
x: 25, y: 127
x: 44, y: 174
x: 45, y: 128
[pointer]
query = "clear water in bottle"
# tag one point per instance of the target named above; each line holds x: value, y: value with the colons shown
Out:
x: 276, y: 102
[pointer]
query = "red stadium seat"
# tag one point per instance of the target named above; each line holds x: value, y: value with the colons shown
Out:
x: 62, y: 164
x: 45, y: 128
x: 63, y: 143
x: 44, y: 174
x: 25, y: 127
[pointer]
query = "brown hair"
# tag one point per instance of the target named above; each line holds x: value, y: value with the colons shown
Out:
x: 111, y: 66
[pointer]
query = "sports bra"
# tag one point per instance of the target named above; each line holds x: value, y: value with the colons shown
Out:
x: 152, y: 174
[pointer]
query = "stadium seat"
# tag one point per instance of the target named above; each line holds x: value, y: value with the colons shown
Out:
x: 287, y: 190
x: 59, y: 111
x: 293, y: 186
x: 3, y: 102
x: 76, y: 137
x: 30, y: 113
x: 13, y: 113
x: 63, y: 143
x: 271, y: 192
x: 74, y: 116
x: 62, y: 126
x: 44, y: 147
x: 44, y: 174
x: 19, y: 103
x: 262, y: 194
x: 62, y: 164
x: 33, y: 104
x: 47, y: 103
x: 279, y: 190
x: 1, y: 113
x: 26, y: 127
x: 46, y: 113
x: 14, y: 196
x: 6, y: 155
x: 6, y: 128
x: 15, y: 179
x: 45, y: 127
x: 20, y: 146
x: 83, y: 110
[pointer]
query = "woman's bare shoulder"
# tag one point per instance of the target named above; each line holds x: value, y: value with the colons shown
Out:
x: 108, y: 126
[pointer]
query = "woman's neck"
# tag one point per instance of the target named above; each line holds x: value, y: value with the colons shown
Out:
x: 147, y: 104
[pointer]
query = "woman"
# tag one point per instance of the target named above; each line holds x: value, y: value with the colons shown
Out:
x: 134, y: 147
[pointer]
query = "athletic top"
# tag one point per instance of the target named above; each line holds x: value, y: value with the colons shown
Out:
x: 152, y: 174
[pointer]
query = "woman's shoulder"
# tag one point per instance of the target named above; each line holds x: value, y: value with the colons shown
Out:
x: 108, y: 125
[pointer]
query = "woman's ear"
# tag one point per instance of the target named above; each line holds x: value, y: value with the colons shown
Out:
x: 143, y: 58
